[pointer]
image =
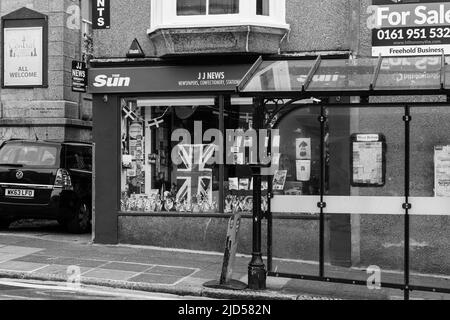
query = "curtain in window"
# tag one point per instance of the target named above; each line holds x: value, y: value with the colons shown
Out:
x: 223, y: 6
x: 191, y: 7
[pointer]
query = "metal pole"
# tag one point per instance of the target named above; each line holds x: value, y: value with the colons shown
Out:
x: 322, y: 204
x: 407, y: 205
x: 256, y: 267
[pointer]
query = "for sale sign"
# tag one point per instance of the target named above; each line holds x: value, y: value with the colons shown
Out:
x: 409, y: 27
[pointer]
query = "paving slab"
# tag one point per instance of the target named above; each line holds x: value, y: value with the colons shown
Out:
x: 155, y: 279
x: 127, y: 266
x: 20, y: 266
x: 109, y: 274
x: 172, y: 271
x: 79, y: 262
x: 58, y: 270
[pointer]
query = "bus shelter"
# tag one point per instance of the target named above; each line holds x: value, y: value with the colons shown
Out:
x: 364, y: 151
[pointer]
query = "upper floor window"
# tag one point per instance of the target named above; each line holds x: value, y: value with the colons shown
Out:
x: 263, y: 7
x: 206, y: 7
x: 217, y: 13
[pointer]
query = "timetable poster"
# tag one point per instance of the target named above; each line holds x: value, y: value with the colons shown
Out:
x: 442, y: 171
x: 368, y: 163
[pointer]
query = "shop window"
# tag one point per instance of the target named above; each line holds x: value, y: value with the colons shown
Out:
x: 217, y: 13
x: 173, y: 154
x: 161, y: 175
x: 203, y: 7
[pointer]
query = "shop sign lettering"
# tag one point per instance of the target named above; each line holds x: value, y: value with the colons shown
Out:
x: 115, y: 81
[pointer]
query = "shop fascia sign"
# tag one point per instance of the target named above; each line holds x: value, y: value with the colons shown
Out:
x: 409, y: 27
x: 166, y: 79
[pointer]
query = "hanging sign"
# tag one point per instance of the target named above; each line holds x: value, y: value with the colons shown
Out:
x: 409, y: 27
x: 101, y: 14
x: 79, y: 76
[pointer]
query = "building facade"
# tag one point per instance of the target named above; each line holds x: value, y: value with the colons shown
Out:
x: 166, y: 70
x: 44, y: 108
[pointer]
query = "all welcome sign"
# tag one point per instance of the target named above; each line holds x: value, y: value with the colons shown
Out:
x: 25, y: 52
x: 409, y: 27
x: 23, y: 57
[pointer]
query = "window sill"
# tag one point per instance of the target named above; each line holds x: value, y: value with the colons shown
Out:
x: 225, y: 39
x: 212, y: 24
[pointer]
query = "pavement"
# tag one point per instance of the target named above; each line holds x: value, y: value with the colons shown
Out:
x: 46, y: 253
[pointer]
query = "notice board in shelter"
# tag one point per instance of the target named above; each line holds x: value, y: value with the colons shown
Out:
x: 368, y: 160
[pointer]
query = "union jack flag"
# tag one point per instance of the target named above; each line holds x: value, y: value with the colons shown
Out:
x: 194, y: 174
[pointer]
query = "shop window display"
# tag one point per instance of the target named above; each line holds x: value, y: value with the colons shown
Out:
x: 238, y: 175
x: 161, y: 175
x: 170, y: 164
x: 299, y: 161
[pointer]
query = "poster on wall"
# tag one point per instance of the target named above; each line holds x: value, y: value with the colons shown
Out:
x: 279, y: 180
x: 303, y: 148
x: 442, y: 171
x: 409, y: 27
x: 23, y: 57
x: 368, y: 160
x: 303, y: 168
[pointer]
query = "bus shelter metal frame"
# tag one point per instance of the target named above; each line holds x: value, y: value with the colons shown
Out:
x: 265, y: 118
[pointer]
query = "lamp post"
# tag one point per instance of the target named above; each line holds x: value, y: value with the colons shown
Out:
x: 256, y: 267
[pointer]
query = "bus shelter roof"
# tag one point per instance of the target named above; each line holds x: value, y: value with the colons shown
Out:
x: 424, y: 75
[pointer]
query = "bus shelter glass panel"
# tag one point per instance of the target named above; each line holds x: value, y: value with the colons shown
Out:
x: 240, y: 141
x: 335, y: 75
x: 296, y: 189
x: 430, y: 198
x: 447, y: 73
x: 167, y: 165
x: 280, y: 76
x: 364, y: 193
x: 410, y: 73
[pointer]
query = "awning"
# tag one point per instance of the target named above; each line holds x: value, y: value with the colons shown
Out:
x: 428, y: 75
x: 167, y: 79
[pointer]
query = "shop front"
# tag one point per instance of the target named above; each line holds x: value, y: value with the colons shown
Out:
x: 359, y: 153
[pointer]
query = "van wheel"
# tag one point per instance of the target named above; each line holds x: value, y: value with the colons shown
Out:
x: 4, y: 224
x: 80, y: 222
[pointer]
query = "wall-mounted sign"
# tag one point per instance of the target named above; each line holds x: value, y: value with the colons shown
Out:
x: 135, y: 50
x: 24, y: 49
x: 368, y: 160
x: 409, y: 27
x: 79, y: 76
x: 166, y: 78
x: 101, y: 14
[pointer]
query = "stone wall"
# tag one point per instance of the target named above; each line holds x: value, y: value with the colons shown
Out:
x: 52, y: 107
x: 316, y: 25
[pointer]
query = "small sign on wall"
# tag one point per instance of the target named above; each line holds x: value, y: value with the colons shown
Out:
x: 79, y: 76
x: 101, y: 14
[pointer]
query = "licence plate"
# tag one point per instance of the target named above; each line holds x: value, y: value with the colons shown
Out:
x: 22, y: 193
